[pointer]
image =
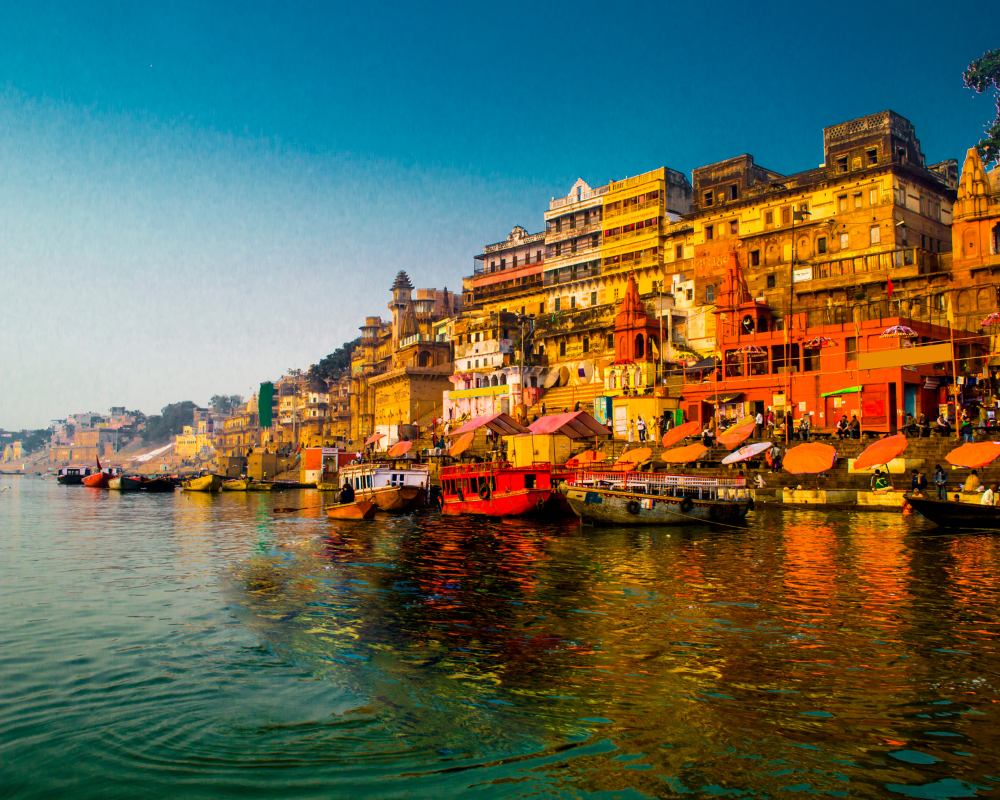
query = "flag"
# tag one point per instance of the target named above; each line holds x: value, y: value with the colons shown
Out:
x: 888, y: 288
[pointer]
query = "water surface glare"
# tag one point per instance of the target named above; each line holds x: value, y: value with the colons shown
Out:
x: 202, y: 646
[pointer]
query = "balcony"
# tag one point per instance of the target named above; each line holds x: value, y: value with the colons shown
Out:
x: 495, y: 291
x: 485, y: 269
x: 566, y: 232
x: 639, y: 233
x: 643, y: 262
x: 568, y: 274
x: 656, y: 206
x: 868, y: 268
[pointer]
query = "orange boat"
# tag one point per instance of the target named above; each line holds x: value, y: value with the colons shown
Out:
x: 100, y: 479
x: 360, y: 509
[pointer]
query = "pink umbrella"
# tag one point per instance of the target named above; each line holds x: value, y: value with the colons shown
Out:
x: 753, y: 350
x: 899, y: 332
x: 820, y: 341
x: 991, y: 320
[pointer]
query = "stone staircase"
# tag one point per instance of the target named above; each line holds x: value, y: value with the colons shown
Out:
x: 564, y: 398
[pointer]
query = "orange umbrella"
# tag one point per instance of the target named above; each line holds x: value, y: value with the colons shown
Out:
x: 737, y: 434
x: 684, y: 455
x: 979, y: 454
x: 810, y: 458
x: 374, y: 438
x: 400, y: 449
x: 636, y: 456
x: 674, y: 435
x: 882, y: 452
x: 586, y: 458
x: 462, y: 444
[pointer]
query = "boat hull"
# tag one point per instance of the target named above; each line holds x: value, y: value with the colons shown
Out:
x: 398, y: 498
x: 115, y: 484
x: 610, y: 507
x: 70, y: 480
x: 257, y: 486
x: 158, y: 485
x: 207, y: 483
x: 131, y: 484
x: 360, y: 509
x: 501, y: 504
x: 234, y: 486
x: 958, y: 516
x: 99, y: 480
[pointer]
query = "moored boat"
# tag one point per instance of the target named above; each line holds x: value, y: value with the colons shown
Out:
x: 359, y: 509
x: 498, y: 489
x: 132, y: 483
x: 259, y: 486
x: 390, y: 487
x: 957, y: 516
x: 158, y: 485
x: 115, y: 484
x: 206, y: 483
x: 72, y: 476
x: 647, y: 498
x: 234, y: 485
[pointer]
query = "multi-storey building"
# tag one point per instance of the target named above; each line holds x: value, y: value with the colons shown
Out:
x: 571, y: 277
x: 370, y: 358
x: 976, y: 240
x: 508, y: 275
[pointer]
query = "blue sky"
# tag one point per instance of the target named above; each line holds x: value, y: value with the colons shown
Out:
x: 195, y: 197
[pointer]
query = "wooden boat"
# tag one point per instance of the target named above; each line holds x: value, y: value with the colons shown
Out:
x: 72, y: 476
x: 359, y: 509
x: 498, y: 489
x: 101, y: 479
x: 158, y: 485
x: 132, y: 483
x: 328, y: 487
x: 648, y: 498
x: 206, y: 483
x: 391, y: 487
x: 234, y: 485
x: 259, y: 486
x: 958, y: 516
x: 115, y: 484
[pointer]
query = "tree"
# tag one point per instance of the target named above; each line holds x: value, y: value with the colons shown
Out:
x: 982, y: 75
x: 334, y: 365
x: 35, y: 440
x: 159, y: 428
x: 224, y: 405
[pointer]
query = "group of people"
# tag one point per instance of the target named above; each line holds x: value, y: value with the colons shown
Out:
x: 919, y: 485
x: 848, y: 429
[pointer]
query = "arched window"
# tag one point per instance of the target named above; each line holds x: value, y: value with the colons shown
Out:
x: 494, y: 381
x: 423, y: 359
x: 612, y: 380
x: 639, y: 377
x: 640, y: 346
x: 996, y: 239
x: 503, y: 379
x: 479, y: 383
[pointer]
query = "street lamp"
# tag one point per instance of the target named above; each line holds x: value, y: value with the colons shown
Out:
x: 797, y: 216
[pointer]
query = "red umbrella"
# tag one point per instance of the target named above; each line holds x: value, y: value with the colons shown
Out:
x: 809, y: 458
x: 374, y: 438
x: 462, y: 444
x: 973, y: 456
x: 737, y: 434
x: 674, y: 435
x: 400, y: 449
x: 882, y: 452
x: 684, y: 455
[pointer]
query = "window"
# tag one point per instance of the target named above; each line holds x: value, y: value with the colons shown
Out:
x: 786, y: 215
x: 755, y: 258
x: 845, y: 241
x: 558, y: 224
x: 558, y: 248
x: 593, y: 298
x: 572, y: 247
x: 842, y: 203
x: 679, y: 251
x: 857, y: 200
x: 572, y: 301
x: 769, y: 218
x: 770, y: 281
x: 541, y: 307
x: 572, y: 221
x: 873, y: 197
x: 690, y: 294
x: 842, y: 164
x: 513, y: 263
x: 586, y: 217
x: 734, y: 192
x: 874, y: 234
x: 558, y: 304
x: 872, y: 157
x: 710, y: 294
x: 851, y: 345
x: 616, y: 295
x: 477, y: 337
x: 821, y: 245
x: 709, y: 198
x: 709, y: 232
x: 562, y: 348
x: 611, y: 341
x: 538, y: 256
x: 734, y: 227
x: 493, y: 266
x: 586, y: 344
x: 503, y: 263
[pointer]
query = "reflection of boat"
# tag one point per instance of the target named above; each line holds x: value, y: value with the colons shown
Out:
x: 360, y: 509
x: 206, y: 483
x: 498, y: 489
x: 234, y: 485
x: 392, y: 488
x: 647, y: 498
x: 957, y: 515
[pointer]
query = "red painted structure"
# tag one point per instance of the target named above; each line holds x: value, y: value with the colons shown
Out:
x: 497, y: 489
x: 787, y: 373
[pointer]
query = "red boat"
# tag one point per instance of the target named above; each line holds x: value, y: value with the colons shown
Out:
x: 100, y: 479
x: 497, y: 489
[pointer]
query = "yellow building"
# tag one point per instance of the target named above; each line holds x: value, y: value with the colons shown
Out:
x: 508, y: 275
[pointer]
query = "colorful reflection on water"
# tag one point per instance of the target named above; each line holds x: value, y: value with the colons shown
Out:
x: 205, y: 645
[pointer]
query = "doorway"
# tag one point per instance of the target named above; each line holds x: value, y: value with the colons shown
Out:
x: 892, y: 410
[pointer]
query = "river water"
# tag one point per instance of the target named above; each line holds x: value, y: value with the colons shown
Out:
x: 203, y: 646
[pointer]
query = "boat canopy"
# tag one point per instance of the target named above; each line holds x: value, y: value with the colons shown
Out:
x: 499, y: 423
x: 575, y: 425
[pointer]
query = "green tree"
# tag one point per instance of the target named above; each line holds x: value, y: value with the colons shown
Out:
x: 160, y: 427
x: 334, y: 365
x: 983, y: 75
x: 223, y: 405
x: 36, y: 440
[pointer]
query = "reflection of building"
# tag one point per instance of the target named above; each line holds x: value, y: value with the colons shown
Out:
x: 409, y: 389
x: 825, y: 370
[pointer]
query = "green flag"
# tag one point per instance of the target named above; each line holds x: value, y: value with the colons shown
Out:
x: 264, y: 399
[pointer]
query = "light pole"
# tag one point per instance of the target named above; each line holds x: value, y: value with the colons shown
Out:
x: 799, y: 216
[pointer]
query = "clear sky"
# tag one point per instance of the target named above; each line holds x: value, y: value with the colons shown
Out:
x: 195, y: 197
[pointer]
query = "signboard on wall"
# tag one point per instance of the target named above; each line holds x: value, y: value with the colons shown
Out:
x: 802, y: 274
x: 621, y: 420
x: 905, y: 356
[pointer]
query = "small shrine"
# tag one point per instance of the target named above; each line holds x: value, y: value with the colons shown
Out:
x: 637, y: 346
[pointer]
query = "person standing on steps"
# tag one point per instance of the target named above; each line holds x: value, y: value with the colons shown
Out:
x: 758, y: 425
x: 940, y: 482
x: 631, y: 428
x: 641, y: 427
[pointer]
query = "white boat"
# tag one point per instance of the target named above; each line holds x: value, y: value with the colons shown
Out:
x: 392, y: 487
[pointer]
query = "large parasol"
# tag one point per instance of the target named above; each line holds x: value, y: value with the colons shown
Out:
x: 898, y: 332
x: 684, y: 455
x: 462, y: 444
x: 751, y: 350
x: 400, y: 449
x: 375, y: 437
x: 747, y: 452
x: 991, y: 320
x: 819, y: 342
x: 882, y: 452
x: 633, y: 457
x: 674, y: 435
x: 973, y: 456
x: 586, y: 459
x: 737, y: 434
x: 809, y: 459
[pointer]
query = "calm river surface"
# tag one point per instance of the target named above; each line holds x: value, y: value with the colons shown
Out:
x: 202, y: 646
